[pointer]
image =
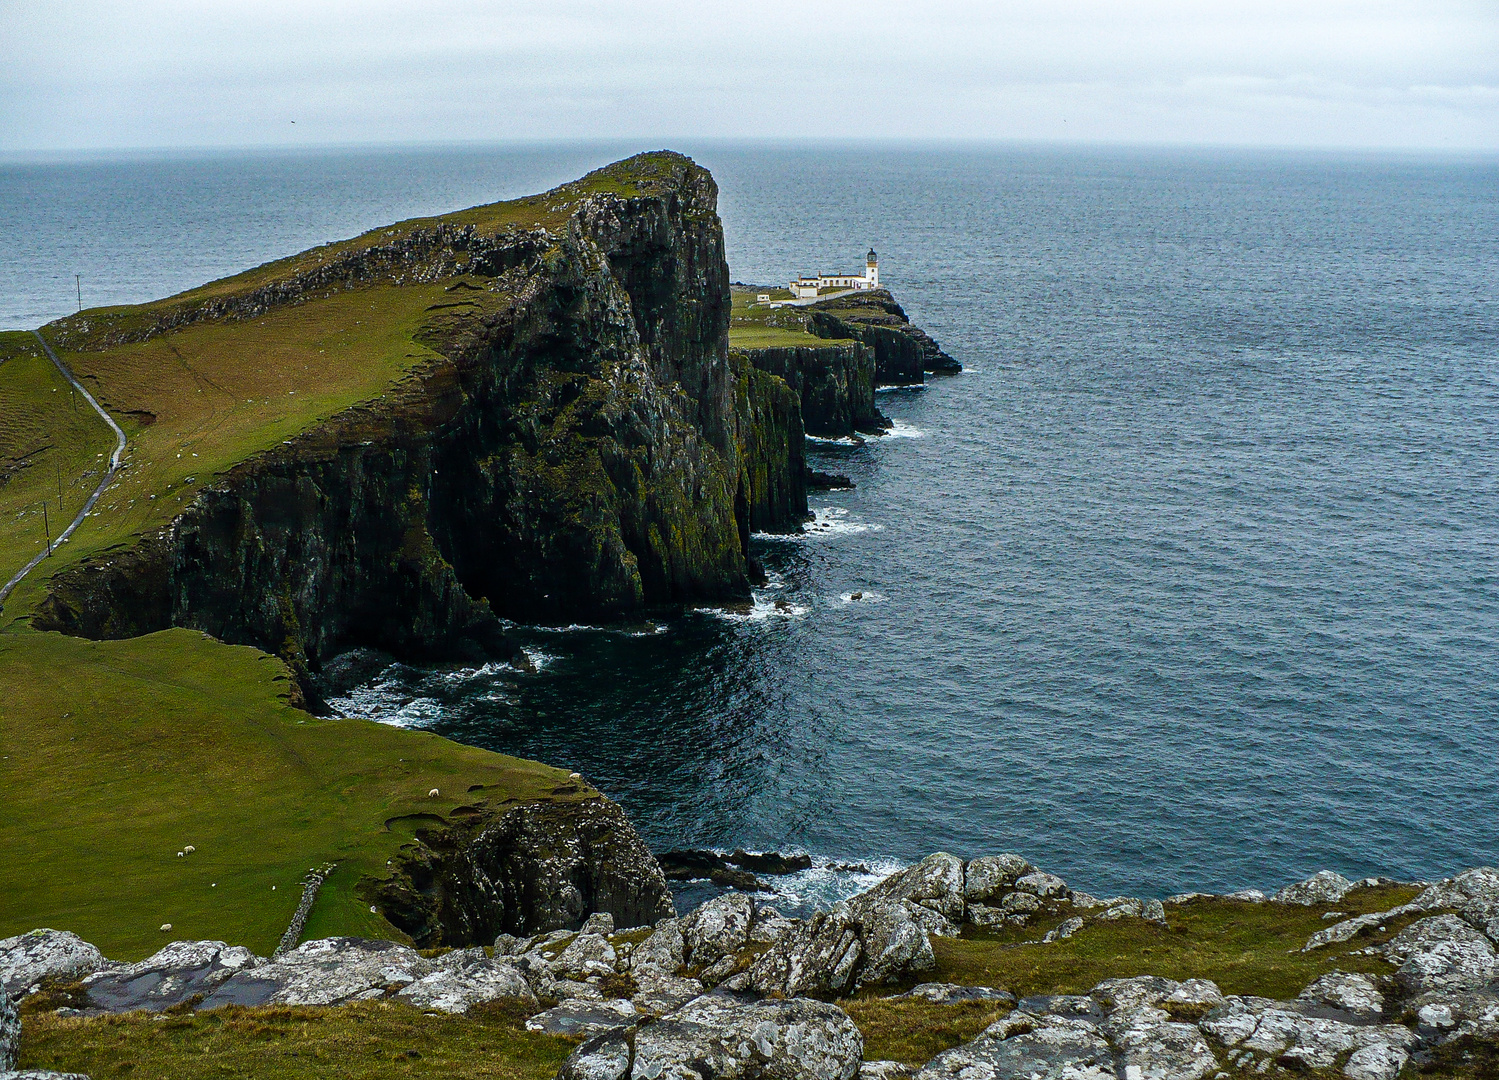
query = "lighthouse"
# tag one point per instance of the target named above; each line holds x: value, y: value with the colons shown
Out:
x: 872, y: 270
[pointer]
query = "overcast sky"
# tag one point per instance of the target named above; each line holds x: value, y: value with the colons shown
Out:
x: 107, y: 74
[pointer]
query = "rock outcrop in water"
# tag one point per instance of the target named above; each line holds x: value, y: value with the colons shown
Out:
x: 585, y: 448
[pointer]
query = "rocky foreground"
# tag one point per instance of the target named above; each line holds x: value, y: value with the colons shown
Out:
x: 734, y: 989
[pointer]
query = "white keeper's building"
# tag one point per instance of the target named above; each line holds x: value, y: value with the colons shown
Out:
x: 810, y: 284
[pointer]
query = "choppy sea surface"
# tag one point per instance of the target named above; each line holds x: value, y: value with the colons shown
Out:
x: 1190, y: 581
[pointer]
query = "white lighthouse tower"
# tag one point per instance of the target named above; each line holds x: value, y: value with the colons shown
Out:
x: 872, y: 270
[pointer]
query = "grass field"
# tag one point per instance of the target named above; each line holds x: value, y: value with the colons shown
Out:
x: 754, y: 325
x: 353, y: 1042
x: 116, y: 755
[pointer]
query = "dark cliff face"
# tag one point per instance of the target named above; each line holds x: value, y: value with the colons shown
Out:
x: 902, y: 352
x: 835, y: 384
x: 531, y: 869
x: 585, y: 449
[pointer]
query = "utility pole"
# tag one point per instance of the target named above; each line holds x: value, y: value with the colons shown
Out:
x: 78, y: 283
x: 47, y: 528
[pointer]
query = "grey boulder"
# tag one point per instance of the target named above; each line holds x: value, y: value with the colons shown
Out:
x: 855, y: 944
x: 718, y: 929
x: 587, y: 954
x: 27, y: 959
x: 934, y: 884
x: 953, y: 993
x: 663, y: 952
x: 1073, y: 1051
x: 988, y: 878
x: 1323, y: 887
x: 467, y: 980
x: 720, y: 1037
x: 1300, y: 1034
x: 1442, y: 953
x: 1350, y: 992
x: 585, y: 1018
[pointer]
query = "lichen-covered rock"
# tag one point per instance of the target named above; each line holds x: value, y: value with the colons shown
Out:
x: 719, y: 928
x: 819, y: 958
x: 935, y: 883
x: 586, y: 1018
x: 885, y: 1070
x: 1351, y: 992
x: 324, y: 972
x: 175, y: 974
x: 467, y: 980
x: 1377, y: 1061
x: 600, y: 922
x: 720, y: 1037
x: 894, y: 943
x: 1323, y: 887
x: 1442, y: 953
x: 1295, y: 1033
x: 1073, y: 1051
x: 990, y: 877
x: 585, y: 955
x: 1474, y: 894
x: 663, y: 952
x: 657, y: 995
x: 1040, y: 883
x: 1445, y: 1016
x: 953, y: 993
x: 27, y: 959
x: 10, y: 1032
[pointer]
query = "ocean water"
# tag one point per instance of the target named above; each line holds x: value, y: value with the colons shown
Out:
x: 1190, y: 581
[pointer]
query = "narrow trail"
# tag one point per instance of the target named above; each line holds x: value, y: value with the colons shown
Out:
x: 114, y: 467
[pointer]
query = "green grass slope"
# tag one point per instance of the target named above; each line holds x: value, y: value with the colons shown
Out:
x: 116, y: 755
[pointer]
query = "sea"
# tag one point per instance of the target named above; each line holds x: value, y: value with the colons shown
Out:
x: 1189, y: 581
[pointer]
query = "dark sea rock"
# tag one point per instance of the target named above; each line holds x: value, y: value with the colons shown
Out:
x: 526, y: 870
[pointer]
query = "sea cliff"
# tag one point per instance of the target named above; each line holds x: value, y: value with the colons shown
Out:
x: 582, y: 446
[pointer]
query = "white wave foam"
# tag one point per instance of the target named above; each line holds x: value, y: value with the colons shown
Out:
x: 899, y: 386
x: 866, y: 596
x: 539, y: 660
x: 842, y: 440
x: 899, y: 429
x: 760, y: 609
x: 834, y: 521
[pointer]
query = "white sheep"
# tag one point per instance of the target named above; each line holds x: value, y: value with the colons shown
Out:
x: 432, y: 794
x: 165, y: 927
x: 189, y: 849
